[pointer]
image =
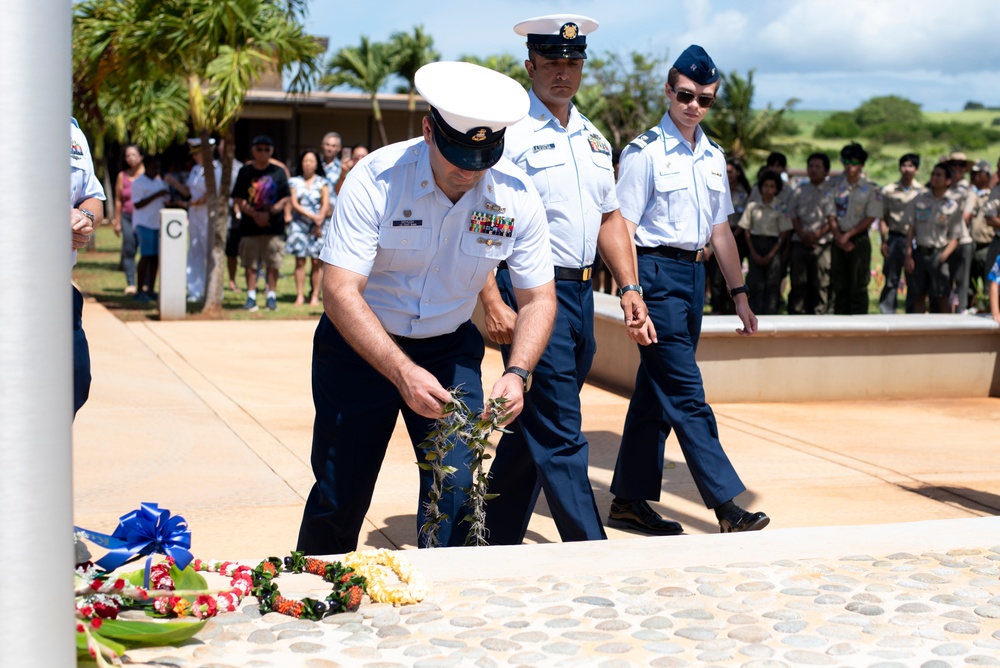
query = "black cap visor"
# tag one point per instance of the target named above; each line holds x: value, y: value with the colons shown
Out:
x: 460, y: 151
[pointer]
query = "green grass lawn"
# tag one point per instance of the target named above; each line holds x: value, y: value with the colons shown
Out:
x: 97, y: 275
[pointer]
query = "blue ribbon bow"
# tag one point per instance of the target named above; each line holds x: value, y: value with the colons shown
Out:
x: 146, y: 531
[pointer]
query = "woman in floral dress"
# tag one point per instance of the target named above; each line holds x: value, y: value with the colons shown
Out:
x: 310, y: 211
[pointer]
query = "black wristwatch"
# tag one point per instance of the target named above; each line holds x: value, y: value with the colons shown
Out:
x: 523, y: 374
x: 622, y: 290
x: 742, y: 290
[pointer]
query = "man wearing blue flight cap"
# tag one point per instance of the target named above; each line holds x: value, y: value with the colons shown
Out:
x: 419, y: 227
x: 674, y: 195
x: 569, y: 161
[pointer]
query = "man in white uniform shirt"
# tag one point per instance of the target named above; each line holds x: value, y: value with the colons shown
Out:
x: 419, y: 227
x: 674, y: 192
x: 86, y: 201
x: 569, y: 161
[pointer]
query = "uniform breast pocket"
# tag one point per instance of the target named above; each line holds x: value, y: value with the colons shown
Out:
x: 715, y: 189
x: 923, y: 213
x: 602, y: 160
x: 399, y: 247
x: 543, y: 168
x: 674, y: 202
x: 481, y: 253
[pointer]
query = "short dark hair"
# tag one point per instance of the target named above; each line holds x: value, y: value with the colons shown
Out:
x: 673, y: 76
x: 822, y: 157
x: 777, y: 158
x: 946, y: 168
x: 910, y: 157
x: 854, y: 151
x: 769, y: 175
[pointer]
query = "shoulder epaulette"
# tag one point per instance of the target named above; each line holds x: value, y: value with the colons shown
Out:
x: 73, y: 121
x: 646, y: 138
x: 712, y: 142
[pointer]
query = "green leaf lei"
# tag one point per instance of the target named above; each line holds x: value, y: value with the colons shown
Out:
x: 460, y: 424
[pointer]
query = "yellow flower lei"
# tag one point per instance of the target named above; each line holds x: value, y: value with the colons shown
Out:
x: 375, y: 565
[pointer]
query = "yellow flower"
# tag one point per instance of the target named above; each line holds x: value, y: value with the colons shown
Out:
x: 375, y: 566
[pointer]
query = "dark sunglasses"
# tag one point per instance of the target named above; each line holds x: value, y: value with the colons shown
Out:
x: 687, y: 97
x: 263, y: 147
x: 852, y: 161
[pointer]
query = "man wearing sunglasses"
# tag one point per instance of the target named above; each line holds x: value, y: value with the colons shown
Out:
x: 674, y: 196
x: 858, y: 202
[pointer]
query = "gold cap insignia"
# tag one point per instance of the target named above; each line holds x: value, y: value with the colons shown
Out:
x: 480, y: 135
x: 570, y: 31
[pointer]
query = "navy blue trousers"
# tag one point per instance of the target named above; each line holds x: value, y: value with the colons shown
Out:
x: 356, y: 411
x: 81, y: 355
x: 669, y: 394
x: 546, y: 449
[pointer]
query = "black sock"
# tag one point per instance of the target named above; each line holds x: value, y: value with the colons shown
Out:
x: 724, y: 509
x: 621, y: 502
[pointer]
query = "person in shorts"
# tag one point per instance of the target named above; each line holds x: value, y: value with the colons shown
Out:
x: 260, y: 194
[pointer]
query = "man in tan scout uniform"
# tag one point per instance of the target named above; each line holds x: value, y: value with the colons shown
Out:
x: 858, y: 202
x: 811, y: 211
x: 895, y: 198
x: 935, y: 221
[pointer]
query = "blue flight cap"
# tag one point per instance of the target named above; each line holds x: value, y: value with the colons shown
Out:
x: 471, y: 107
x: 697, y: 65
x: 557, y: 35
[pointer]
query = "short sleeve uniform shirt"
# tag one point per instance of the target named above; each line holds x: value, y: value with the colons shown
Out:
x: 425, y: 257
x: 935, y: 221
x: 895, y: 198
x: 813, y: 206
x: 572, y: 171
x: 675, y: 194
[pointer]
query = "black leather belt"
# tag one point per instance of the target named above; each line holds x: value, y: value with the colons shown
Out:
x: 565, y: 273
x: 896, y: 234
x: 673, y: 253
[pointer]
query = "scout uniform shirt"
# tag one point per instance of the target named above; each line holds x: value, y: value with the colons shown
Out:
x: 936, y: 221
x: 764, y: 220
x: 813, y: 206
x: 571, y: 168
x: 854, y: 203
x: 674, y: 195
x: 425, y: 257
x: 895, y: 198
x: 976, y: 207
x: 991, y: 209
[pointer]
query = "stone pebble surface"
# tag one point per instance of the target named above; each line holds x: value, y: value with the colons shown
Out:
x: 932, y: 610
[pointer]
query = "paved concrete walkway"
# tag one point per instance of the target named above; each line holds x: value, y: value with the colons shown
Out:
x: 213, y: 421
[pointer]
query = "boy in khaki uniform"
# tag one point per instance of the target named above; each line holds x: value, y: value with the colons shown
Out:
x: 811, y: 211
x: 858, y: 202
x: 895, y: 198
x: 766, y: 226
x: 935, y: 221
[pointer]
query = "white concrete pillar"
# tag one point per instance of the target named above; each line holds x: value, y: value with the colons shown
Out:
x: 36, y: 396
x: 173, y: 263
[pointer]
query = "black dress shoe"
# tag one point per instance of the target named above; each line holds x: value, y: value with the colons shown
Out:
x: 639, y: 516
x: 740, y: 520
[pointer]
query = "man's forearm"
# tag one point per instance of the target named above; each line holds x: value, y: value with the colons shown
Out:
x: 536, y: 316
x: 861, y: 227
x: 617, y: 249
x: 347, y: 309
x: 727, y: 255
x: 95, y: 207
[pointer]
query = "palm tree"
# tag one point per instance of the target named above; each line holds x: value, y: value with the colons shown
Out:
x: 212, y: 49
x: 504, y: 64
x: 410, y: 52
x: 743, y: 133
x: 366, y: 68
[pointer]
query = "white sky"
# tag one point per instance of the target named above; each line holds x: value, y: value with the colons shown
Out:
x: 831, y: 54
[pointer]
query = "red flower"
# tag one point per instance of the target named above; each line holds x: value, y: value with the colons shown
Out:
x: 204, y: 607
x: 79, y: 627
x: 96, y: 622
x: 106, y: 609
x: 119, y: 584
x: 86, y: 610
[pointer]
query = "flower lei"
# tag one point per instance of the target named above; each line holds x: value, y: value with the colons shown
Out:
x: 372, y: 565
x: 348, y: 587
x: 102, y: 597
